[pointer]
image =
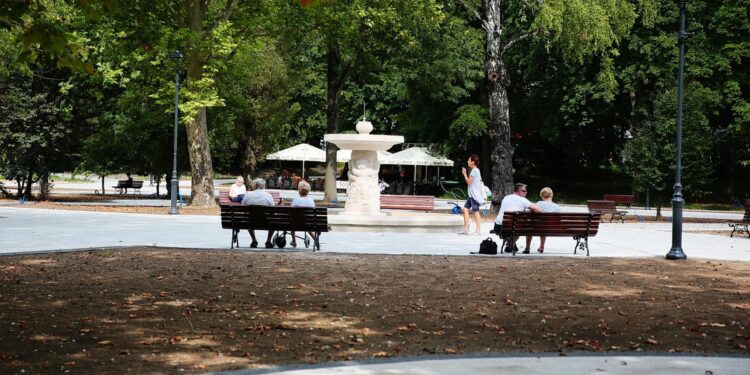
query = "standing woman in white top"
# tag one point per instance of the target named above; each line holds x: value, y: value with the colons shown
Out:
x: 476, y: 193
x: 238, y: 190
x: 303, y: 201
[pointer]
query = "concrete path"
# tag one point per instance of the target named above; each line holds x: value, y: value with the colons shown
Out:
x: 625, y: 364
x: 29, y: 230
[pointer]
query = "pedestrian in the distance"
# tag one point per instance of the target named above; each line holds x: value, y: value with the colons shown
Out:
x: 476, y: 194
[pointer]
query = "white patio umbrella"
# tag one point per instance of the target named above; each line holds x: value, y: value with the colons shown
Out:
x: 301, y: 152
x: 416, y: 156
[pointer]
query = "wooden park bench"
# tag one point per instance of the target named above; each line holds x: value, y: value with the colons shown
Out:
x: 224, y: 198
x: 302, y: 219
x: 579, y: 226
x: 123, y: 186
x: 621, y: 199
x: 740, y: 226
x: 408, y: 202
x: 606, y: 208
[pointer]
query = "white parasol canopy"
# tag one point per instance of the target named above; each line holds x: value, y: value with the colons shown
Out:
x: 416, y: 156
x: 301, y: 152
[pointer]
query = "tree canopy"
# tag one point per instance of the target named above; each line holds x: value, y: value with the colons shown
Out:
x: 571, y: 88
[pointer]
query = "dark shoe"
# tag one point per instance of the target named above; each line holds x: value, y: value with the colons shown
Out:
x: 541, y: 250
x: 508, y: 249
x: 269, y: 245
x: 526, y: 251
x: 254, y: 244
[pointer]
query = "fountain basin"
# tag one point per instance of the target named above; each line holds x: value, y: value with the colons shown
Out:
x: 395, y: 221
x: 364, y: 142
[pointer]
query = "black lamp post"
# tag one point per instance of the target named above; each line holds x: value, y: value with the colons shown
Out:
x: 676, y: 251
x: 176, y: 55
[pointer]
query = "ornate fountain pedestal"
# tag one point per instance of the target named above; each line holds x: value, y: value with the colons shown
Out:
x: 362, y: 208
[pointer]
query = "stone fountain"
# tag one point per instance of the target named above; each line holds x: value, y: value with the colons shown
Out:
x: 362, y: 208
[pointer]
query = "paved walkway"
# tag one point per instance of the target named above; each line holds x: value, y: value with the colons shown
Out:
x: 29, y: 230
x: 625, y: 364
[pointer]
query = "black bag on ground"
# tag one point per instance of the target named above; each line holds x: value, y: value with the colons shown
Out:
x: 488, y: 246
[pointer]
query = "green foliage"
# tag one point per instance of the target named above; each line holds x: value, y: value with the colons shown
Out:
x: 649, y: 156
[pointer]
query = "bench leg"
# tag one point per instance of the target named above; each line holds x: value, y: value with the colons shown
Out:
x: 739, y: 228
x: 502, y: 245
x: 235, y: 238
x: 582, y: 242
x: 316, y: 243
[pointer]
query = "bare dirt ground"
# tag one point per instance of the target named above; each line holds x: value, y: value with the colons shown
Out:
x: 165, y: 311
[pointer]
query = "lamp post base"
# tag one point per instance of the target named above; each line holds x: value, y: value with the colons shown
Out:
x: 676, y: 253
x: 173, y: 206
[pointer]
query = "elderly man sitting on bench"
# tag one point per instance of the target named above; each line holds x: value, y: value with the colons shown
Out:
x: 515, y: 202
x: 259, y: 197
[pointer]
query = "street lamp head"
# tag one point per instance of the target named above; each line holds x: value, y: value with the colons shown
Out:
x: 176, y: 55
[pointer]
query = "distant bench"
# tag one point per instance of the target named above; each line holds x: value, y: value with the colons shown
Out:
x: 740, y: 226
x: 123, y: 186
x: 224, y: 198
x: 408, y: 202
x: 606, y: 208
x: 622, y: 199
x: 303, y: 219
x: 578, y: 225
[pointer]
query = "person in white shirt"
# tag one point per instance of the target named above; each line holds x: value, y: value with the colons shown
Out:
x: 303, y: 201
x: 259, y: 197
x: 382, y: 185
x: 238, y: 190
x: 476, y: 193
x: 515, y: 202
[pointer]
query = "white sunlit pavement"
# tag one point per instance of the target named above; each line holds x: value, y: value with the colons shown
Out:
x: 622, y: 364
x: 32, y: 230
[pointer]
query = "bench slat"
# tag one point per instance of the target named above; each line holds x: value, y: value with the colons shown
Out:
x: 407, y: 202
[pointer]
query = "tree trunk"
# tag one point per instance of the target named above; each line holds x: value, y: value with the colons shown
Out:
x: 202, y: 191
x: 158, y: 181
x: 103, y: 191
x: 29, y: 182
x: 44, y: 186
x: 249, y: 157
x: 332, y: 118
x: 501, y: 150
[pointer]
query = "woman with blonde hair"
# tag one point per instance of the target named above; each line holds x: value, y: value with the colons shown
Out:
x: 546, y: 205
x: 302, y: 201
x: 238, y: 190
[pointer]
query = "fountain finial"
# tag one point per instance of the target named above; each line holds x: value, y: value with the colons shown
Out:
x: 364, y: 126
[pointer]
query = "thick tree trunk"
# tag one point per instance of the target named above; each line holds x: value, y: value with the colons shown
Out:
x: 29, y: 182
x: 501, y: 150
x: 202, y: 191
x: 44, y: 186
x: 332, y: 118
